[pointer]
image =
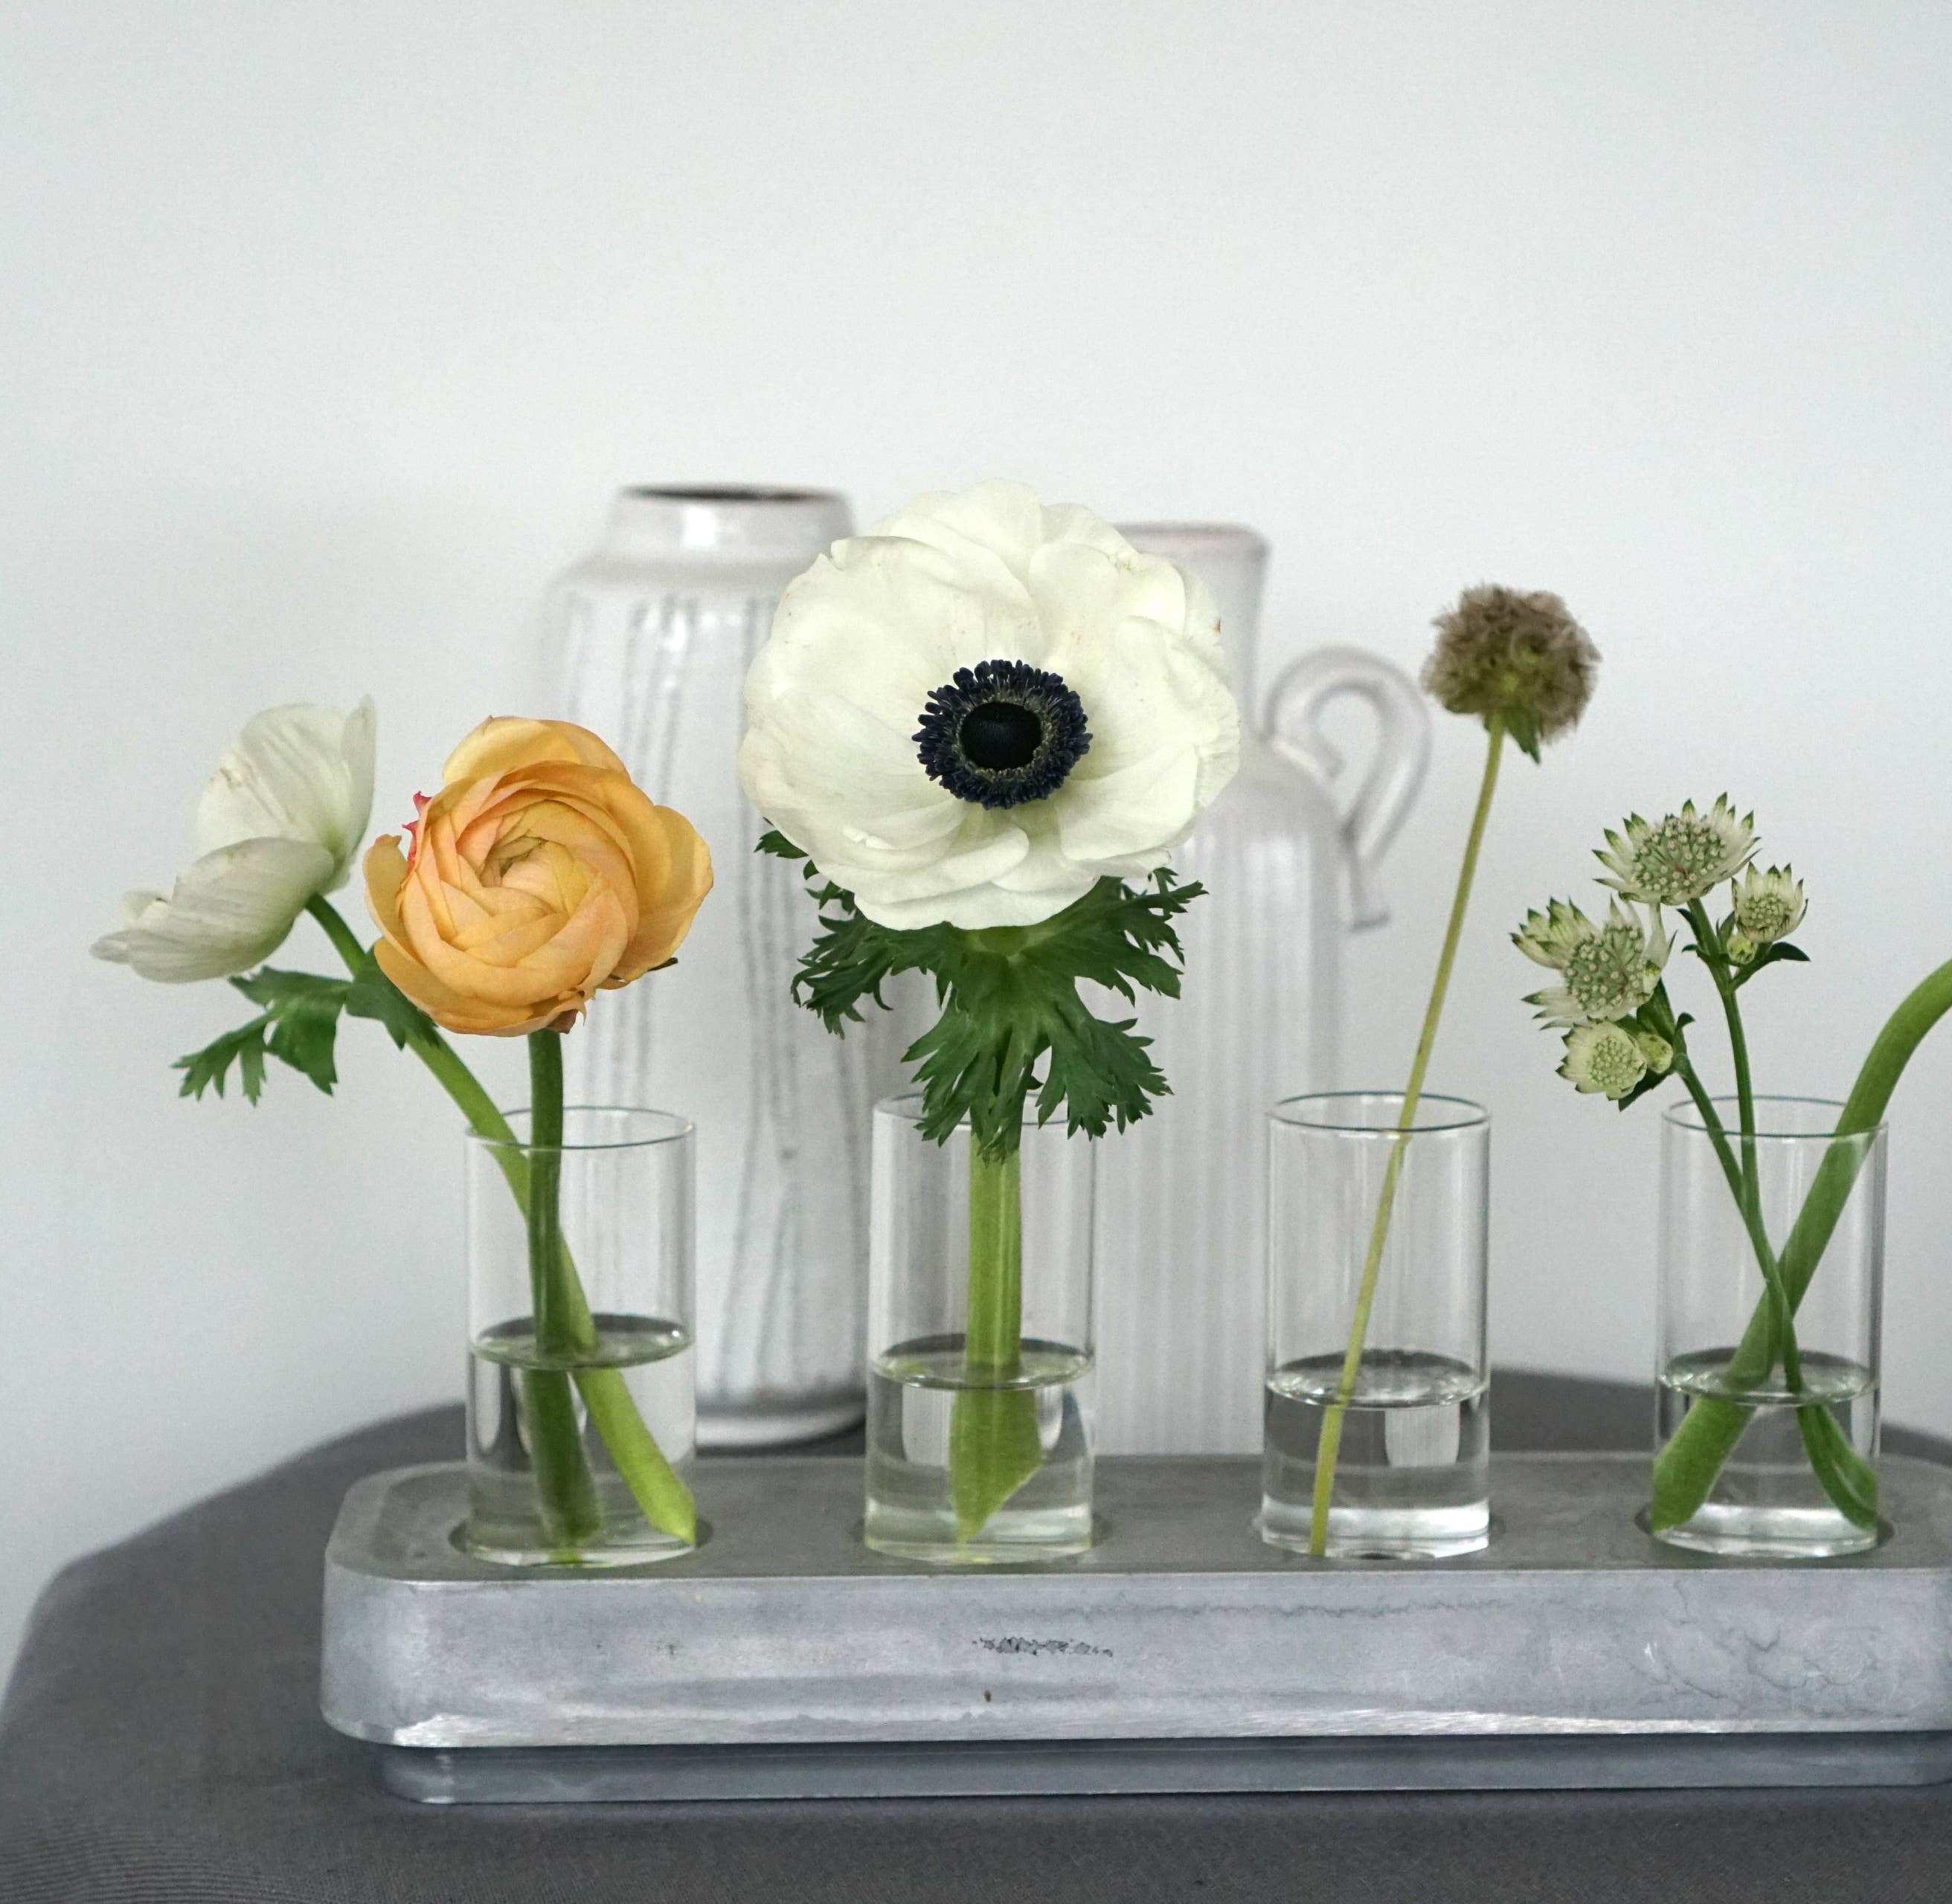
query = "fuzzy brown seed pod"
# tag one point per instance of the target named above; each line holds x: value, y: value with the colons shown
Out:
x: 1522, y: 656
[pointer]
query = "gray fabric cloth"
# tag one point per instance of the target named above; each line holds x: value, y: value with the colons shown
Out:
x: 160, y: 1743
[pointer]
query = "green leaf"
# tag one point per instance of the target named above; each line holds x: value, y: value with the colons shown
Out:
x: 1781, y: 952
x: 207, y: 1069
x: 774, y: 842
x: 298, y: 1026
x: 371, y: 994
x: 1012, y: 1021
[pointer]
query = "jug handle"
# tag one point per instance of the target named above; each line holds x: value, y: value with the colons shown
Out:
x: 1301, y: 691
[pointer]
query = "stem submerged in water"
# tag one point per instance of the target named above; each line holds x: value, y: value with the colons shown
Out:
x: 992, y: 1434
x: 565, y: 1489
x: 662, y: 1497
x: 1684, y: 1471
x: 1330, y: 1446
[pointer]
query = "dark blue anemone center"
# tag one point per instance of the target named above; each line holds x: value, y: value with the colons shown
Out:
x: 1002, y: 732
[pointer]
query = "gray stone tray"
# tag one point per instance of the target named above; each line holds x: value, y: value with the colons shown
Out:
x: 1182, y: 1654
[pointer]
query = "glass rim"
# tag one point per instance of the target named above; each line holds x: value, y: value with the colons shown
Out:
x: 1465, y: 1115
x: 1686, y: 1115
x: 727, y: 495
x: 907, y: 1106
x: 1219, y: 535
x: 671, y: 1129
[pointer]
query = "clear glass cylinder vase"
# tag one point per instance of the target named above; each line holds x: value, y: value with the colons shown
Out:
x: 980, y: 1344
x: 1766, y: 1436
x: 581, y: 1409
x: 1377, y: 1235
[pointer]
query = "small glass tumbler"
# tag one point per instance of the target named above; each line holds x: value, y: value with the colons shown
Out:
x: 581, y: 1412
x: 1411, y: 1472
x: 980, y: 1344
x: 1770, y: 1438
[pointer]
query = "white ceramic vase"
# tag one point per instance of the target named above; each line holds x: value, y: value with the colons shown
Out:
x: 647, y: 641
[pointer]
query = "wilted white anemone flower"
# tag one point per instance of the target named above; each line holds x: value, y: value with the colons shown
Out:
x: 1768, y: 906
x: 1680, y: 858
x: 1610, y: 971
x: 280, y: 821
x: 1604, y: 1058
x: 976, y: 711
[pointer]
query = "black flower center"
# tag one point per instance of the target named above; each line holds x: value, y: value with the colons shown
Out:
x: 1002, y: 733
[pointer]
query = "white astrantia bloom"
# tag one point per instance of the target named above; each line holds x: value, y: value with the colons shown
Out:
x: 976, y: 711
x: 1768, y: 906
x: 281, y: 821
x: 1603, y: 1058
x: 1610, y: 971
x: 1680, y: 858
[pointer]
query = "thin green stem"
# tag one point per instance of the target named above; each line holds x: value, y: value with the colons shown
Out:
x: 344, y: 940
x: 565, y: 1488
x: 1329, y: 1448
x: 1750, y: 1196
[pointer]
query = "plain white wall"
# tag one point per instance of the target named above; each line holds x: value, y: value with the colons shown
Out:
x: 327, y: 331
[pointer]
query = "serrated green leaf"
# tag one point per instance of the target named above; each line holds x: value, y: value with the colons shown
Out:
x: 298, y: 1026
x: 774, y: 842
x: 371, y: 994
x: 1012, y: 1021
x: 207, y: 1069
x: 303, y: 1034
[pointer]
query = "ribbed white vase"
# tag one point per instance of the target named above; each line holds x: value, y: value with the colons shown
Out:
x: 646, y: 641
x: 1182, y: 1195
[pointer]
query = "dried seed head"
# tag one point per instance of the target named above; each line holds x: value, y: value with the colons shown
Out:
x: 1518, y: 655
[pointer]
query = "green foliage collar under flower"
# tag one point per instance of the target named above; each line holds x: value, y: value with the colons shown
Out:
x: 1012, y: 1021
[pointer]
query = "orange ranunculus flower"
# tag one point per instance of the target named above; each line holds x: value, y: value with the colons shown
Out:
x: 540, y: 874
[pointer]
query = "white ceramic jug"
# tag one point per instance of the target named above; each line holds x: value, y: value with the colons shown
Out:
x: 1181, y: 1196
x: 647, y: 641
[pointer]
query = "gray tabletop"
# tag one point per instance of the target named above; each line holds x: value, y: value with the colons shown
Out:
x: 160, y: 1742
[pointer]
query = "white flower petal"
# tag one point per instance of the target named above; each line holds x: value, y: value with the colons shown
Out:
x: 230, y: 911
x: 874, y: 629
x: 300, y: 772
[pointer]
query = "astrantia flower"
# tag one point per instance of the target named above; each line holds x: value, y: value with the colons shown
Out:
x: 1680, y: 858
x: 1610, y: 971
x: 1521, y: 657
x: 1768, y: 906
x: 1604, y: 1058
x: 972, y: 714
x: 279, y: 823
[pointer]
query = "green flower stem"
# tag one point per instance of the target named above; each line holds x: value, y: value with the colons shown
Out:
x: 1330, y: 1446
x: 662, y: 1497
x: 992, y: 1435
x: 1685, y: 1470
x: 1748, y: 1188
x: 1741, y: 1186
x: 565, y: 1489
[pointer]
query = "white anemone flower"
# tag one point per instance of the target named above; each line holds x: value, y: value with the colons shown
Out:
x: 1610, y: 971
x: 1680, y: 859
x: 280, y: 822
x: 973, y: 714
x: 1768, y: 906
x: 1604, y: 1058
